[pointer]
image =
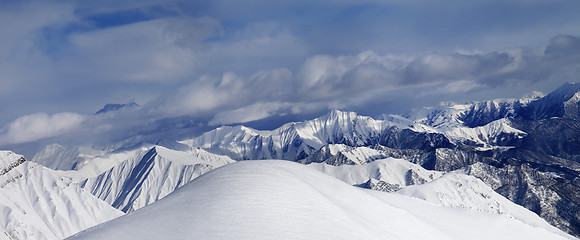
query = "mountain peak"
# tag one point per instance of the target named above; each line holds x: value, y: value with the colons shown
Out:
x: 564, y: 92
x: 341, y: 117
x: 335, y: 113
x: 114, y: 107
x: 532, y: 96
x: 561, y: 102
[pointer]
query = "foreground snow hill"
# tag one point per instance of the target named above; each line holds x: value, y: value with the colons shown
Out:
x: 36, y: 203
x: 284, y: 200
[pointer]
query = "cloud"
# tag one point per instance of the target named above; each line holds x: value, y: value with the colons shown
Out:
x: 256, y: 111
x: 52, y: 52
x: 326, y: 76
x: 355, y: 81
x: 455, y: 66
x: 226, y: 62
x: 363, y: 82
x: 24, y: 23
x: 208, y: 95
x: 368, y: 72
x: 257, y: 45
x: 39, y: 126
x: 164, y: 49
x: 558, y: 61
x: 563, y: 46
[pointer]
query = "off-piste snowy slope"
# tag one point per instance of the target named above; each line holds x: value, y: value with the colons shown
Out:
x: 283, y: 200
x: 389, y: 174
x: 147, y: 176
x: 458, y: 190
x: 37, y: 203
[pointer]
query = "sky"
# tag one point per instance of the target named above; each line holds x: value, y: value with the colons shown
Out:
x: 229, y: 62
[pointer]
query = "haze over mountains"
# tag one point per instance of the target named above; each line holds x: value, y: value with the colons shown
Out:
x: 523, y: 151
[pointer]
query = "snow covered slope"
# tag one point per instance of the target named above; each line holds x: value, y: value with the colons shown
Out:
x: 339, y: 154
x: 562, y: 102
x: 148, y: 176
x: 493, y: 134
x: 36, y: 203
x: 444, y: 189
x: 58, y: 157
x: 292, y: 141
x: 296, y: 141
x: 462, y: 191
x: 284, y: 200
x: 101, y: 163
x: 388, y: 174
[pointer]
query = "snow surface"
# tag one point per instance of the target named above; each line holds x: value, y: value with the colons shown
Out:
x: 295, y: 141
x: 284, y: 200
x: 58, y: 157
x: 461, y: 191
x: 292, y: 139
x: 358, y: 155
x: 340, y: 154
x: 150, y: 175
x: 36, y: 203
x: 485, y: 135
x: 396, y: 172
x: 99, y: 164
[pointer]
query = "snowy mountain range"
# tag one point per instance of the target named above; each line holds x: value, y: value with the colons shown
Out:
x: 480, y: 157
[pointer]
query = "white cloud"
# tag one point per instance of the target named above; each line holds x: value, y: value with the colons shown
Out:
x: 258, y: 45
x: 250, y: 113
x: 252, y: 59
x: 22, y: 22
x: 22, y: 48
x: 323, y: 82
x: 40, y: 125
x: 348, y: 82
x: 208, y: 95
x: 324, y: 75
x: 461, y: 86
x: 156, y: 50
